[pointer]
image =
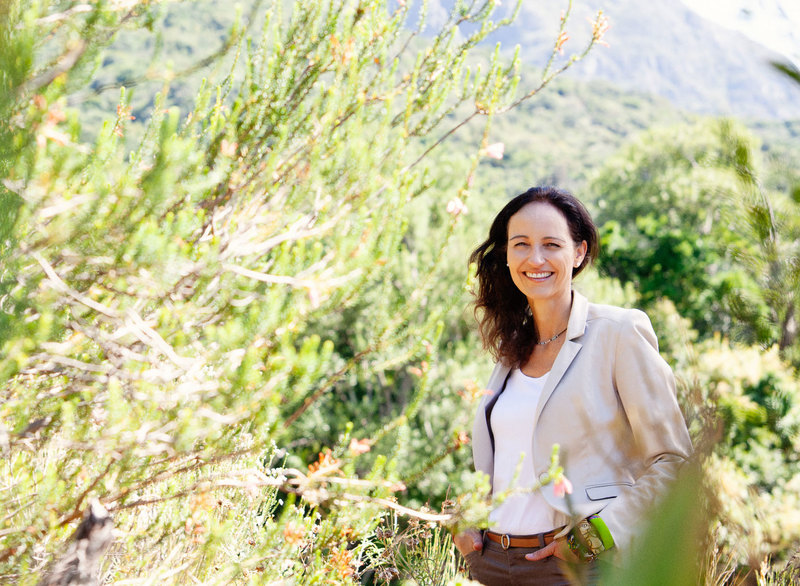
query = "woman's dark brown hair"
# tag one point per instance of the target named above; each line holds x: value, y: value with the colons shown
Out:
x: 505, y: 320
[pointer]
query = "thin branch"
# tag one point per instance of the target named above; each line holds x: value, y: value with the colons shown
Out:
x: 60, y: 16
x: 296, y: 484
x: 229, y: 43
x: 66, y: 62
x: 66, y: 361
x: 188, y: 468
x: 61, y: 286
x: 152, y: 338
x: 76, y: 511
x: 19, y: 509
x: 433, y: 517
x: 557, y: 44
x: 70, y: 58
x: 326, y: 387
x: 444, y: 137
x: 546, y: 79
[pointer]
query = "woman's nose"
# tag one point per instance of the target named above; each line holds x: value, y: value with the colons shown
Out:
x: 535, y: 256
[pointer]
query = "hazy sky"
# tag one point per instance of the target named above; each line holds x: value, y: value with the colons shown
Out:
x: 773, y: 23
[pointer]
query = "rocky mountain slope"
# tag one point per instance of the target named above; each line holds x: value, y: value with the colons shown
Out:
x: 660, y: 47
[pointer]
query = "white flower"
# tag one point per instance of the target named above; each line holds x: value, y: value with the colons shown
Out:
x: 456, y: 207
x: 495, y: 150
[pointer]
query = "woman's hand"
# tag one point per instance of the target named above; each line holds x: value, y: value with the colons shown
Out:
x: 468, y: 541
x: 557, y: 548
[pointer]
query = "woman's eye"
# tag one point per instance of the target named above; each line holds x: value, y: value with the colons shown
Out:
x: 519, y: 244
x: 553, y: 245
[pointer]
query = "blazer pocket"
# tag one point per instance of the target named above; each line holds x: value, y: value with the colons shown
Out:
x: 609, y: 490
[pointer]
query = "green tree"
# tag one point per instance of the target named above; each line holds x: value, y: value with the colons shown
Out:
x: 767, y: 310
x: 226, y: 333
x: 692, y: 214
x: 666, y: 206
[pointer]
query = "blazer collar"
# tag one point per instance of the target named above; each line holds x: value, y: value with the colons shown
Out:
x: 569, y: 350
x: 576, y: 326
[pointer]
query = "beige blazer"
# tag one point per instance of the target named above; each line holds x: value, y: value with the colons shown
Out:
x: 610, y: 404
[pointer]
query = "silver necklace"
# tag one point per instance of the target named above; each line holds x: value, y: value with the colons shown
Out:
x: 548, y: 340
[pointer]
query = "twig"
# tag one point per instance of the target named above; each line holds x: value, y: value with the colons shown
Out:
x: 433, y: 517
x: 59, y: 16
x: 152, y: 338
x: 61, y: 286
x: 66, y: 361
x: 66, y: 62
x: 193, y: 68
x: 324, y: 388
x: 167, y: 473
x: 441, y: 139
x: 76, y: 511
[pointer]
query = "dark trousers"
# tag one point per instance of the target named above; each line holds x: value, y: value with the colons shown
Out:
x: 494, y: 566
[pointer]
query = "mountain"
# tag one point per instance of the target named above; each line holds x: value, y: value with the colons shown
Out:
x: 662, y: 48
x: 662, y: 63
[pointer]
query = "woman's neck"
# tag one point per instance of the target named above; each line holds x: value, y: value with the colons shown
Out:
x: 551, y: 315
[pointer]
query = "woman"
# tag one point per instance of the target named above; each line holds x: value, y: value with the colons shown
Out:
x: 584, y: 376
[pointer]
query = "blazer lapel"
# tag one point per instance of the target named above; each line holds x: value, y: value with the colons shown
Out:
x: 575, y: 329
x: 505, y: 372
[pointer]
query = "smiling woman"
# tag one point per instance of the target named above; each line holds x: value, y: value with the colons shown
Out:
x: 544, y: 228
x: 585, y: 377
x: 541, y: 256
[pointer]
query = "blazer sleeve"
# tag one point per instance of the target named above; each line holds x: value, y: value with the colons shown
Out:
x: 646, y: 388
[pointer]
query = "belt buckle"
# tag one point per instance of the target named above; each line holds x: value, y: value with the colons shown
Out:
x: 505, y: 541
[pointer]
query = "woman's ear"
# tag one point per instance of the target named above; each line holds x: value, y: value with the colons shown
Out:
x: 580, y: 253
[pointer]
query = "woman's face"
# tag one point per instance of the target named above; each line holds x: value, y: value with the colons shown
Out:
x: 541, y: 253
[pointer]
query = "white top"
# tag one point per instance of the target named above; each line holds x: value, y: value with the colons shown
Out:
x: 525, y: 511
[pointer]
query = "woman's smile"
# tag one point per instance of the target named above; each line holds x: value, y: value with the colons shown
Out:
x: 537, y: 276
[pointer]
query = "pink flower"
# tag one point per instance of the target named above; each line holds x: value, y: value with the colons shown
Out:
x: 456, y: 207
x: 227, y: 148
x: 462, y: 439
x: 600, y: 27
x: 495, y: 150
x: 562, y: 486
x: 359, y: 446
x: 562, y: 38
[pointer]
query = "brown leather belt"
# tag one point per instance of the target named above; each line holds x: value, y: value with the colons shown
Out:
x: 507, y: 541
